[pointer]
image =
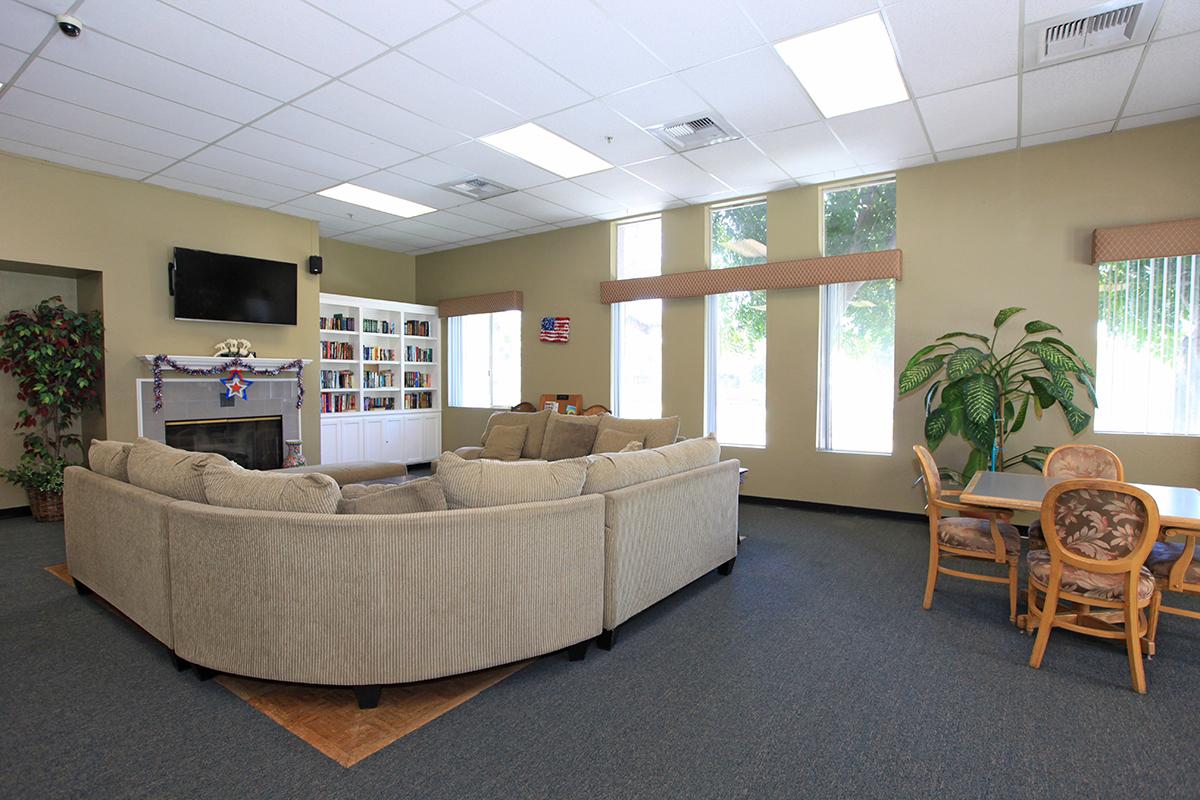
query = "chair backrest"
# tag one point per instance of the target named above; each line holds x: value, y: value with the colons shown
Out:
x: 1101, y: 525
x: 524, y: 406
x: 933, y: 477
x: 594, y: 411
x: 1083, y: 461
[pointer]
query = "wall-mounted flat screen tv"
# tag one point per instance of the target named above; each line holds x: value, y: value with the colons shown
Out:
x: 225, y: 288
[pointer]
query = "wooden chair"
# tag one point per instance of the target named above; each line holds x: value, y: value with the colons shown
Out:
x: 977, y: 533
x: 524, y: 406
x: 1175, y: 569
x: 594, y: 411
x: 1100, y: 532
x: 1076, y: 461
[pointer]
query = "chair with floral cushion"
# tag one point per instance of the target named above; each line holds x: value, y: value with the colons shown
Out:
x: 977, y: 533
x: 1076, y: 461
x: 1176, y: 568
x: 1100, y: 532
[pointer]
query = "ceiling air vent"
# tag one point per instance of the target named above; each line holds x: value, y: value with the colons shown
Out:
x: 692, y: 132
x: 477, y: 188
x: 1095, y: 29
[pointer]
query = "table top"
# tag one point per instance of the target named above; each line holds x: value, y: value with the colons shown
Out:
x: 1178, y: 506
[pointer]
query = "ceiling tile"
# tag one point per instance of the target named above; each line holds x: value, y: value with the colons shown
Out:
x: 1078, y: 132
x: 1161, y: 83
x: 490, y: 163
x: 379, y: 18
x: 464, y: 225
x: 783, y: 19
x: 328, y: 228
x: 1036, y: 10
x: 272, y: 148
x: 24, y: 27
x: 292, y: 28
x: 332, y: 137
x: 1176, y: 17
x: 418, y: 192
x: 977, y: 150
x: 69, y: 116
x: 624, y: 188
x: 1077, y: 92
x: 100, y: 55
x: 208, y: 191
x: 73, y: 86
x: 742, y: 191
x: 576, y: 39
x: 400, y: 80
x: 356, y: 109
x: 577, y: 198
x: 777, y: 100
x: 805, y: 150
x: 35, y: 133
x: 677, y: 175
x: 69, y: 159
x: 530, y: 206
x: 407, y: 228
x: 946, y: 44
x: 341, y: 210
x: 337, y: 222
x: 1158, y: 117
x: 536, y: 229
x: 637, y: 211
x: 659, y: 101
x: 591, y: 125
x: 10, y: 61
x: 684, y: 33
x: 473, y: 55
x: 170, y: 33
x: 985, y: 112
x: 51, y: 6
x: 739, y: 163
x: 431, y: 171
x: 881, y: 134
x: 256, y: 167
x: 220, y: 179
x: 893, y: 164
x: 495, y: 215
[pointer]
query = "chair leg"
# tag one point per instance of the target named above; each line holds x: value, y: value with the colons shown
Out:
x: 931, y: 578
x: 1046, y: 622
x: 1152, y: 625
x: 368, y: 696
x: 1133, y: 643
x: 727, y: 567
x: 578, y: 651
x: 1030, y: 605
x: 1012, y: 592
x: 607, y: 639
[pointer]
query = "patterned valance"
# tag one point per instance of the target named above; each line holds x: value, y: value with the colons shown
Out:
x: 773, y: 275
x: 482, y: 304
x: 1153, y: 240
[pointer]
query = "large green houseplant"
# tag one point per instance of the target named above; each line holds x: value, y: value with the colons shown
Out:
x: 55, y: 354
x: 985, y: 396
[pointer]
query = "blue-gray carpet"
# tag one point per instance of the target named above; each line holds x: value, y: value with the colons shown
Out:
x: 812, y: 671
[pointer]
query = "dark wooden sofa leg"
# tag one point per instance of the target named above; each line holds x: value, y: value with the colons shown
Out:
x: 578, y: 651
x: 727, y: 567
x: 204, y: 673
x: 607, y: 639
x: 368, y: 696
x: 181, y: 664
x: 82, y: 588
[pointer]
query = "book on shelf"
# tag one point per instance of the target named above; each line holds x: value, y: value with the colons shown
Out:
x: 379, y: 403
x: 415, y: 354
x: 339, y: 351
x: 416, y: 327
x: 378, y: 326
x: 338, y: 403
x: 380, y: 379
x: 378, y: 353
x: 416, y: 400
x: 337, y: 379
x: 414, y: 379
x: 338, y: 322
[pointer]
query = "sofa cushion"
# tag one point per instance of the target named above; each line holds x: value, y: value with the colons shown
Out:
x: 110, y: 459
x: 614, y: 441
x: 306, y: 492
x: 480, y: 483
x: 535, y: 422
x: 505, y: 442
x: 691, y: 453
x: 612, y: 471
x: 170, y: 471
x: 569, y: 436
x: 652, y: 432
x: 348, y: 472
x: 424, y: 494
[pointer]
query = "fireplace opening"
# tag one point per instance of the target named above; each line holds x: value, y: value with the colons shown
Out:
x: 252, y: 442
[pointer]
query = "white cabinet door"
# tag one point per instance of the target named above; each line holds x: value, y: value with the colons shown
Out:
x: 431, y: 437
x: 411, y: 445
x: 350, y: 440
x: 329, y: 441
x: 372, y: 443
x: 393, y: 439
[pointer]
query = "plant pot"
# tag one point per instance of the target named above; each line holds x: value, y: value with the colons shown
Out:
x: 295, y: 453
x: 46, y: 506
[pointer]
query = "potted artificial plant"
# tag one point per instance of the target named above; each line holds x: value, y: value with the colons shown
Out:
x: 55, y: 354
x: 986, y: 396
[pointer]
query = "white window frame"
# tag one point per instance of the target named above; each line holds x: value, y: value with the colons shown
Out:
x: 454, y: 362
x: 618, y: 313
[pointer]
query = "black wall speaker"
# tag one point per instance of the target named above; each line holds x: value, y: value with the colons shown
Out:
x: 315, y: 264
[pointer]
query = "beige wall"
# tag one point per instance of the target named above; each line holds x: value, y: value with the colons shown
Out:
x: 367, y: 272
x: 977, y: 234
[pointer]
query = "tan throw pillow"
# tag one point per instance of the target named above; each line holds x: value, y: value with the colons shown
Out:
x: 632, y: 447
x: 505, y: 442
x: 691, y: 453
x: 481, y: 484
x: 254, y: 490
x: 652, y: 432
x: 110, y: 459
x: 424, y: 494
x: 535, y: 422
x: 170, y: 471
x: 569, y: 436
x: 614, y: 441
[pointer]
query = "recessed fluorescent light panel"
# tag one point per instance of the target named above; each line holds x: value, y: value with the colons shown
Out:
x: 369, y: 198
x: 540, y: 147
x: 847, y: 67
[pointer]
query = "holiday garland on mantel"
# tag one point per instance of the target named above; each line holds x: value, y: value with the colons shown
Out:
x: 217, y: 369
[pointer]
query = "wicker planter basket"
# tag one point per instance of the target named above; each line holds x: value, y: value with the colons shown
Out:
x: 46, y: 506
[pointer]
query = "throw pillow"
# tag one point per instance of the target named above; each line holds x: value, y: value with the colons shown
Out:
x: 614, y: 441
x: 632, y: 447
x: 569, y: 436
x: 424, y: 494
x: 305, y: 492
x: 652, y: 432
x: 481, y: 484
x: 535, y: 422
x: 505, y: 442
x: 110, y: 459
x: 171, y: 471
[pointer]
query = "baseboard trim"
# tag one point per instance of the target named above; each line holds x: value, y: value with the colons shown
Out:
x: 11, y: 513
x: 809, y: 505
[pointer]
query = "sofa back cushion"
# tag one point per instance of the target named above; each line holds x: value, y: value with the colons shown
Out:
x: 614, y: 441
x: 170, y: 471
x: 569, y: 436
x: 612, y: 471
x: 652, y: 432
x: 691, y: 453
x: 306, y: 492
x: 505, y: 442
x: 481, y: 484
x: 535, y: 422
x: 424, y: 494
x: 110, y: 459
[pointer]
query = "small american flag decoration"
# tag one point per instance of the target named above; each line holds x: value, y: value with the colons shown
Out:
x: 555, y: 329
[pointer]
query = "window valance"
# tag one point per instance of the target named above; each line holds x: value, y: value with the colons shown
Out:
x: 511, y: 300
x: 772, y: 275
x: 1153, y: 240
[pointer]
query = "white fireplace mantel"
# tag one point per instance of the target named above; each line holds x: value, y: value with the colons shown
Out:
x: 205, y: 362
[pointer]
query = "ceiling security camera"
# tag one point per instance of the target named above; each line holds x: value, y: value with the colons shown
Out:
x: 69, y: 25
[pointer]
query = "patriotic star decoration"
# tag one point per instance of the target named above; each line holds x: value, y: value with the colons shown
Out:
x: 235, y: 385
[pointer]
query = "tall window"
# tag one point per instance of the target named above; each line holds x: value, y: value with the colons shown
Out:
x: 637, y: 326
x: 858, y: 325
x: 485, y: 360
x: 736, y: 372
x: 1148, y: 347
